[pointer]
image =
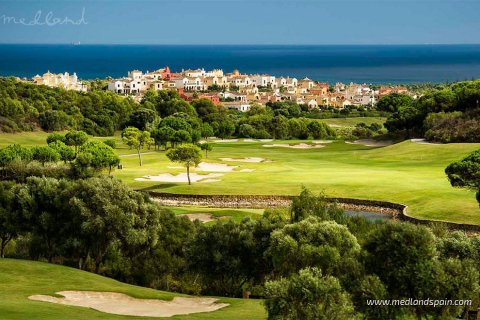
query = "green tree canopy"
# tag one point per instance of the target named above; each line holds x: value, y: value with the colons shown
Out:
x: 75, y: 139
x: 44, y: 154
x: 308, y: 295
x: 10, y: 219
x: 403, y: 256
x: 206, y: 147
x: 466, y: 173
x: 188, y: 155
x: 393, y: 102
x: 97, y: 155
x: 52, y: 137
x: 310, y: 243
x: 15, y: 152
x: 141, y: 118
x: 137, y: 139
x: 66, y: 153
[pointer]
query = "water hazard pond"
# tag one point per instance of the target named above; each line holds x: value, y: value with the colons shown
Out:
x: 370, y: 216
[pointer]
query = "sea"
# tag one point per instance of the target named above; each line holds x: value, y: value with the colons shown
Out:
x: 373, y: 64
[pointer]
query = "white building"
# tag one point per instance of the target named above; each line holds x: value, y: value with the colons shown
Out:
x: 233, y: 96
x: 61, y: 80
x: 239, y: 106
x: 214, y: 73
x: 190, y: 83
x: 194, y: 73
x: 135, y: 83
x: 263, y: 80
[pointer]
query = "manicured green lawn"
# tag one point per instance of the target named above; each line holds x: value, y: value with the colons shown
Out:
x: 351, y: 122
x: 406, y: 172
x: 19, y: 279
x: 236, y: 215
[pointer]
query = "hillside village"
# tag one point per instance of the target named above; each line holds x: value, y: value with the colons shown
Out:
x: 234, y: 90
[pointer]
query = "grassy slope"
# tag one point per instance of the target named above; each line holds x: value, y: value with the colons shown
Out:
x: 407, y: 172
x: 351, y: 122
x: 19, y: 279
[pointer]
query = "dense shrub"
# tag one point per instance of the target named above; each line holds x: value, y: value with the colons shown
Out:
x: 25, y: 106
x: 443, y: 114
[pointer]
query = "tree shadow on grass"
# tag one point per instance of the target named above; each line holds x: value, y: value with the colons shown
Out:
x: 158, y: 186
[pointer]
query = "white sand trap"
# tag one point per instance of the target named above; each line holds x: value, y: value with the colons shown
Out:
x: 251, y: 159
x: 295, y: 146
x: 215, y: 167
x: 322, y: 141
x: 202, y: 217
x: 247, y: 170
x: 121, y: 304
x: 226, y: 140
x: 181, y: 177
x: 248, y: 140
x: 371, y: 142
x: 423, y: 141
x: 265, y: 140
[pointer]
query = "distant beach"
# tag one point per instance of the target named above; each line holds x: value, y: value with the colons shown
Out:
x: 332, y: 63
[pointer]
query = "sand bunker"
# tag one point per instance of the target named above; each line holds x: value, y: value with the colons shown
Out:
x: 322, y: 141
x: 181, y: 177
x: 121, y: 304
x: 295, y: 146
x: 423, y: 141
x: 247, y: 170
x: 371, y: 142
x: 248, y: 140
x: 202, y: 217
x: 251, y: 159
x: 265, y: 140
x: 215, y: 167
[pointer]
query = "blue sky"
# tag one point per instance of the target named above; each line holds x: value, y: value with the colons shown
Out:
x: 243, y: 21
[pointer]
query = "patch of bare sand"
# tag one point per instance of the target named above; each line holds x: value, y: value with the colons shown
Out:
x: 215, y: 167
x: 202, y: 217
x: 247, y: 170
x: 371, y: 142
x: 181, y: 177
x: 423, y: 141
x: 251, y: 159
x: 322, y: 141
x: 295, y: 146
x: 121, y: 304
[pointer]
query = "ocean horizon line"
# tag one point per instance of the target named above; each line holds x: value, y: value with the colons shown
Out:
x: 244, y: 44
x: 331, y: 63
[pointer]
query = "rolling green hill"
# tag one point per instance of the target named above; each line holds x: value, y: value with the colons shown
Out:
x: 20, y: 279
x: 407, y: 172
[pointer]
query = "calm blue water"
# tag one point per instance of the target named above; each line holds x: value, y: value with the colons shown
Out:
x: 371, y: 64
